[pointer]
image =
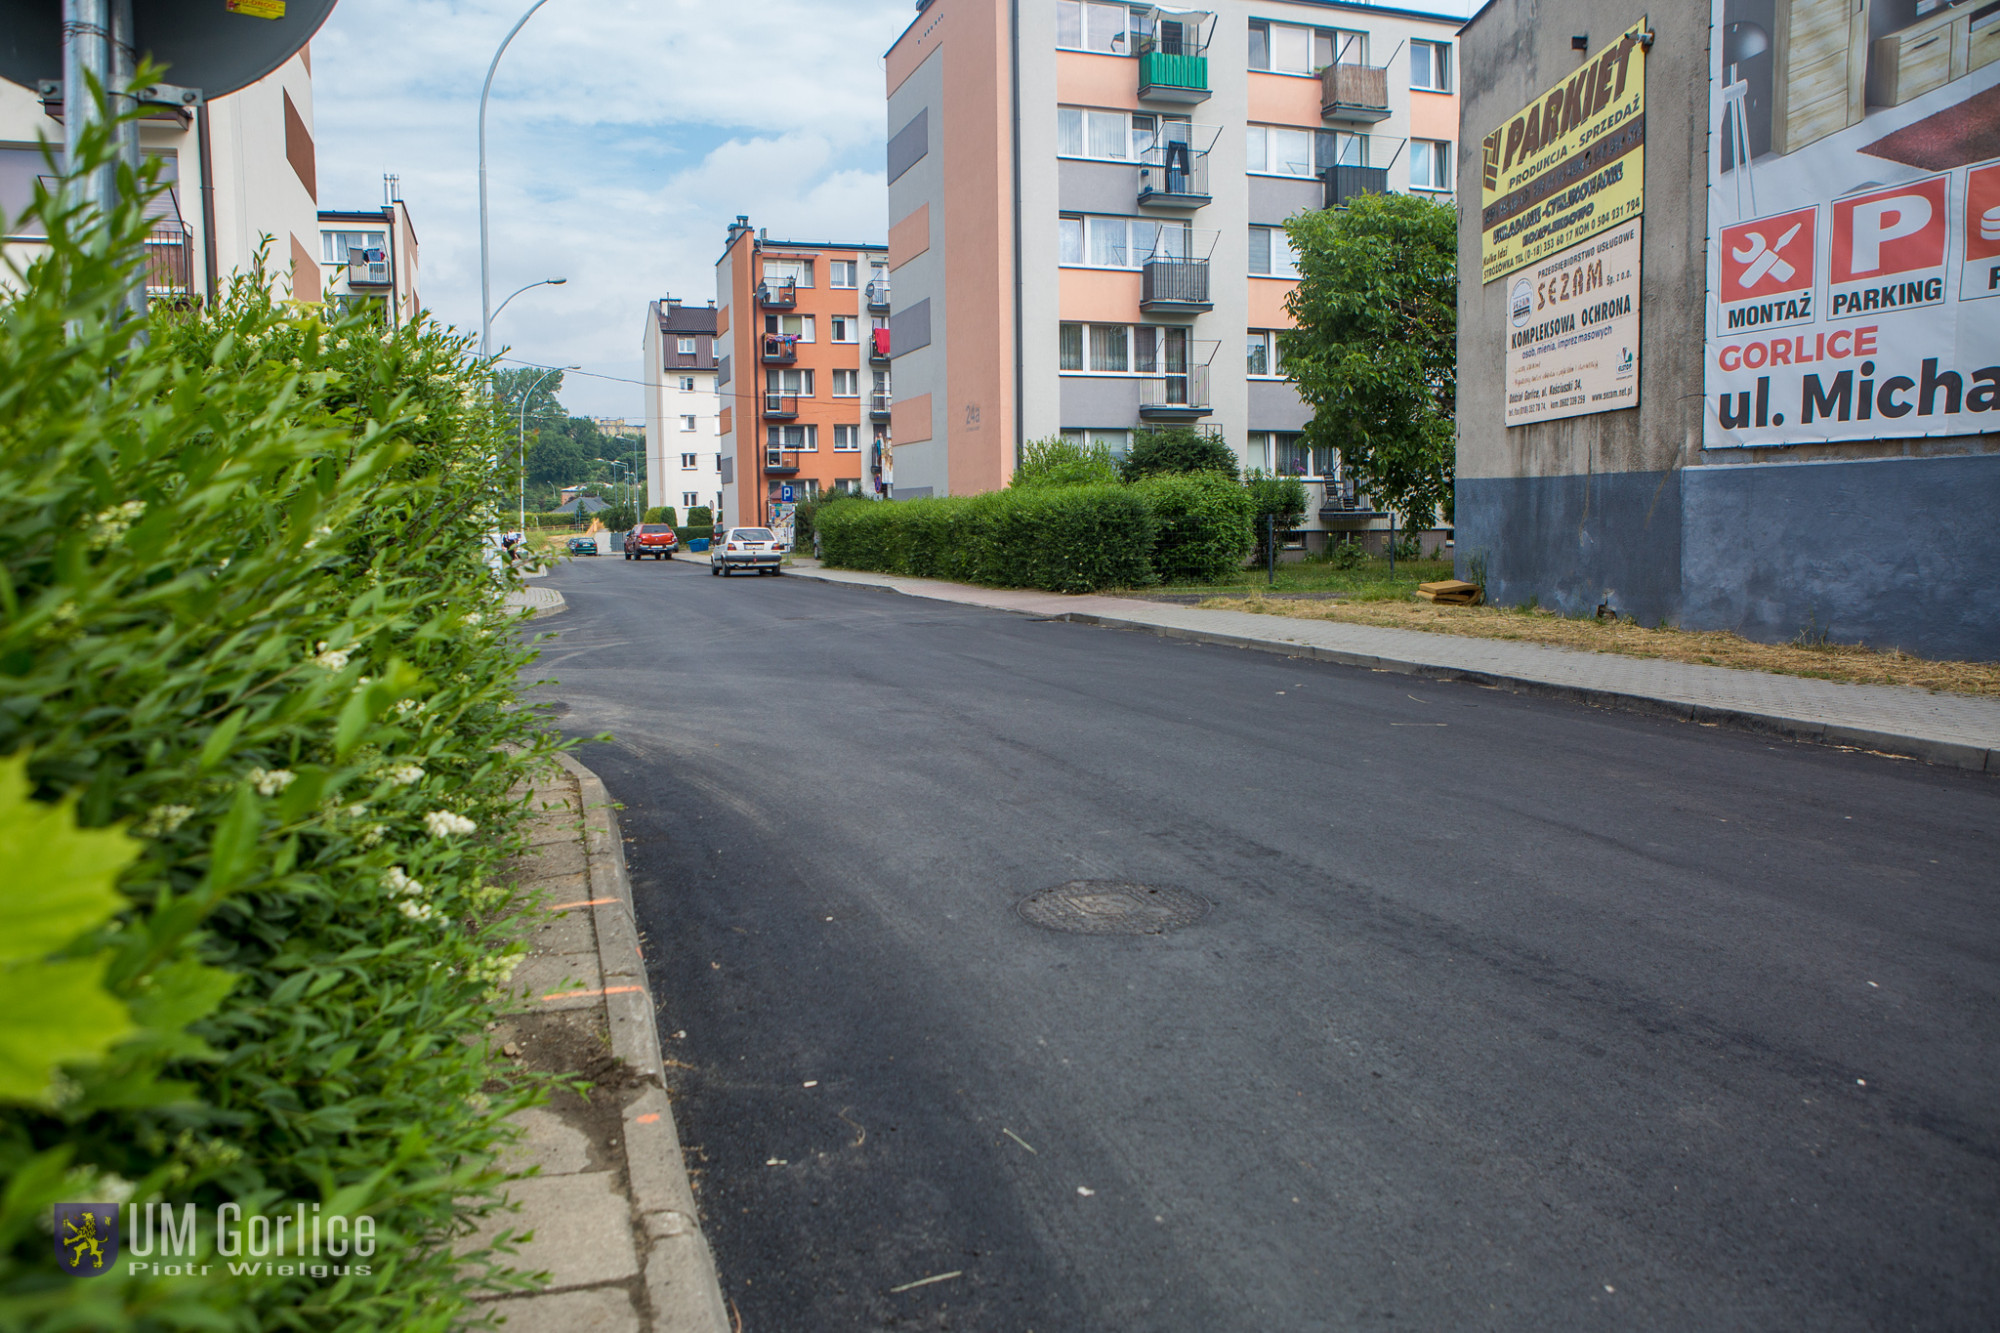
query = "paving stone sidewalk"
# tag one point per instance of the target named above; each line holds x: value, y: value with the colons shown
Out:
x: 542, y: 601
x: 1959, y: 730
x: 610, y: 1210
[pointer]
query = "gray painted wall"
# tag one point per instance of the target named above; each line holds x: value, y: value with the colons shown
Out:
x: 1273, y: 199
x: 910, y: 328
x: 1277, y: 406
x: 1572, y: 543
x: 1096, y: 187
x: 918, y: 368
x: 1103, y: 403
x: 909, y: 144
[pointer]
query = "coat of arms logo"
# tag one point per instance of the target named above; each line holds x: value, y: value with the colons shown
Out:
x: 86, y: 1236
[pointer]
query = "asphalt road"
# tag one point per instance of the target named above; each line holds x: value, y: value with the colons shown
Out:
x: 1507, y: 1013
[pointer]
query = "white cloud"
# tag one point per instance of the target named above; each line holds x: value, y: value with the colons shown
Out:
x: 622, y: 138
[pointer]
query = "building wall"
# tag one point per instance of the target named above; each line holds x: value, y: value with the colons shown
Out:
x: 668, y: 480
x: 400, y: 237
x: 1886, y: 542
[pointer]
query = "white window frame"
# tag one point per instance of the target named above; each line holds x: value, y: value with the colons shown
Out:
x: 1433, y: 59
x: 851, y: 434
x: 1274, y: 359
x: 1101, y: 27
x: 845, y: 329
x: 800, y: 377
x: 1281, y: 260
x: 689, y: 462
x: 801, y: 326
x: 1086, y: 228
x: 1116, y: 442
x: 690, y: 499
x: 684, y: 347
x: 808, y: 437
x: 1435, y: 158
x: 1144, y: 348
x: 792, y: 269
x: 687, y: 421
x: 687, y: 384
x: 852, y: 378
x: 837, y: 268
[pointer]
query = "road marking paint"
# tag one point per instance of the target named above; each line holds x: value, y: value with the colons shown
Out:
x: 593, y: 902
x: 926, y: 1281
x: 578, y: 994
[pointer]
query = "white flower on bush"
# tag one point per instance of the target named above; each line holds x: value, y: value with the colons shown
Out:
x: 405, y: 774
x: 417, y: 911
x: 163, y: 819
x: 475, y: 619
x: 269, y: 782
x: 400, y: 885
x: 373, y: 834
x: 318, y: 533
x: 405, y: 707
x: 445, y: 824
x: 331, y: 659
x: 113, y: 523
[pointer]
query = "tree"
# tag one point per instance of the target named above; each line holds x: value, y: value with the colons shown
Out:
x: 1375, y: 349
x: 1176, y: 449
x: 1276, y: 506
x: 1056, y: 461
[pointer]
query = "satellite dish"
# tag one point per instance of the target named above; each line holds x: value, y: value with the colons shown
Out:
x: 205, y: 44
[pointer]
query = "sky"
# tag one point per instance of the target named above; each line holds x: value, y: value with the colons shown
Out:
x: 622, y: 137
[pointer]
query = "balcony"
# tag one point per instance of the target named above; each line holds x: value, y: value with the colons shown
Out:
x: 1172, y: 66
x: 1356, y: 93
x: 780, y: 349
x: 1346, y: 184
x: 782, y: 406
x: 170, y: 263
x: 781, y: 295
x: 1176, y: 397
x: 878, y: 294
x: 1341, y: 501
x: 776, y: 464
x: 1171, y: 286
x: 369, y: 268
x: 878, y: 346
x: 878, y: 407
x: 1173, y: 175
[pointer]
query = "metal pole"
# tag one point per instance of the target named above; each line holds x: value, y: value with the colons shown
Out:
x: 485, y: 266
x: 124, y: 59
x: 1271, y: 549
x: 1392, y: 543
x: 86, y: 60
x: 522, y: 437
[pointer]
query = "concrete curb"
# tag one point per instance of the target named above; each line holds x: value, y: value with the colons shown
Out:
x: 538, y: 602
x: 682, y: 1285
x: 1974, y: 758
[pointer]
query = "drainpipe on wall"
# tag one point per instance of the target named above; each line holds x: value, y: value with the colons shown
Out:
x: 207, y: 200
x: 1014, y: 146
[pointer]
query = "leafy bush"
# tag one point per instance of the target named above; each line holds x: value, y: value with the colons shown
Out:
x: 805, y: 514
x: 1064, y: 539
x: 1166, y: 449
x: 699, y: 516
x: 1201, y: 523
x: 248, y: 621
x: 662, y: 514
x: 1276, y: 505
x: 1056, y: 461
x: 617, y: 518
x: 1347, y: 553
x: 689, y: 534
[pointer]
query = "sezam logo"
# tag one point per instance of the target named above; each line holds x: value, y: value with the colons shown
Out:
x: 86, y: 1236
x: 1522, y: 301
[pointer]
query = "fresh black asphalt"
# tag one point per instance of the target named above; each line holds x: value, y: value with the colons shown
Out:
x: 1508, y: 1013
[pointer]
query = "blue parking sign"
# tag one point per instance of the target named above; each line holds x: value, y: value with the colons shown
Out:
x: 785, y: 493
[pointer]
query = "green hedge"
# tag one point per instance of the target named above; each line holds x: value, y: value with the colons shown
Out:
x: 1201, y: 523
x: 1066, y: 539
x: 689, y: 534
x: 258, y: 732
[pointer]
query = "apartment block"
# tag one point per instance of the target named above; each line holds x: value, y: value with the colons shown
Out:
x: 368, y: 259
x: 238, y: 169
x: 1086, y: 204
x: 683, y: 455
x: 803, y: 372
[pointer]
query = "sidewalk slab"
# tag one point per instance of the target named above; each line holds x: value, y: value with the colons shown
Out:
x: 1962, y: 731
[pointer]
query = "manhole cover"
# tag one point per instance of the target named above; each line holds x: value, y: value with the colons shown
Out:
x: 1112, y: 907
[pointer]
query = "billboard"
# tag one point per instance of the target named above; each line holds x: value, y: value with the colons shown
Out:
x: 1570, y: 164
x: 1853, y: 222
x: 1573, y: 331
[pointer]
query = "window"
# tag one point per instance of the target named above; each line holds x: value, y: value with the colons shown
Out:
x: 1285, y: 453
x: 688, y: 462
x: 841, y: 273
x: 686, y: 347
x: 687, y: 423
x: 1276, y: 150
x: 1119, y: 349
x: 1108, y: 347
x: 1265, y: 357
x: 1117, y: 136
x: 1113, y: 442
x: 847, y: 439
x: 1069, y: 354
x: 1271, y: 253
x: 846, y: 329
x: 1338, y: 46
x: 846, y: 384
x: 1430, y: 164
x: 1282, y: 48
x: 1430, y: 66
x: 796, y: 326
x: 687, y: 384
x: 1095, y: 242
x: 335, y: 245
x: 788, y: 380
x: 798, y: 439
x: 789, y: 270
x: 1089, y: 25
x: 689, y: 499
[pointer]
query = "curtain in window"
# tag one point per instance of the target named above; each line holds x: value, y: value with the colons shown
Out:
x: 1294, y: 459
x: 1145, y: 349
x: 1256, y: 148
x: 1109, y: 133
x: 1069, y: 132
x: 1107, y: 348
x: 1291, y: 49
x: 1069, y: 354
x: 1069, y: 23
x: 1260, y: 46
x: 1106, y: 27
x: 1069, y: 243
x: 1107, y: 243
x: 1260, y: 249
x: 1259, y: 361
x: 1291, y: 152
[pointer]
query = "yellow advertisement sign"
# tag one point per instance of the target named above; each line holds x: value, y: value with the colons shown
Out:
x: 1570, y: 164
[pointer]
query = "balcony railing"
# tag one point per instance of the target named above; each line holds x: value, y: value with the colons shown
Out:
x: 878, y: 406
x: 878, y: 294
x: 1346, y: 184
x: 1173, y: 175
x: 776, y: 464
x: 878, y: 345
x: 781, y: 404
x: 779, y: 295
x: 1181, y: 397
x: 1172, y: 67
x: 170, y: 263
x: 1354, y: 92
x: 1342, y: 500
x: 780, y: 348
x: 1175, y: 284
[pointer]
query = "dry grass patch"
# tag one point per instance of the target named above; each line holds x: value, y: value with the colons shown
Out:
x: 1850, y: 664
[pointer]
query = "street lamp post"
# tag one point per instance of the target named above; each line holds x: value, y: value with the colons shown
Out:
x: 522, y: 435
x: 545, y: 282
x: 485, y: 269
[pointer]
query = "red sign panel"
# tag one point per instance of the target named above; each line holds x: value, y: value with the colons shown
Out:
x: 1769, y: 256
x: 1896, y: 230
x: 1982, y: 213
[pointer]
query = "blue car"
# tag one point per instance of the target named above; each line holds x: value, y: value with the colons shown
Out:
x: 583, y: 546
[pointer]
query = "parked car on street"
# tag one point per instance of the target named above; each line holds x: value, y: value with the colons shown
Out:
x: 583, y: 546
x: 655, y: 539
x: 746, y: 548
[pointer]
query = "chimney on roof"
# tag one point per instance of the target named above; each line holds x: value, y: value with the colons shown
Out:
x: 738, y: 227
x: 673, y: 303
x: 763, y: 235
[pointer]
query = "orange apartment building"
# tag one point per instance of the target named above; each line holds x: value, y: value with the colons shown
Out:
x: 802, y: 370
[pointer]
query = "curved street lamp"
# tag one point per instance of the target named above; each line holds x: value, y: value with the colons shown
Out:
x: 485, y: 272
x: 545, y: 282
x: 522, y: 435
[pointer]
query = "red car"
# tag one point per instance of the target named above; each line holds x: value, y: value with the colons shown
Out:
x: 654, y: 539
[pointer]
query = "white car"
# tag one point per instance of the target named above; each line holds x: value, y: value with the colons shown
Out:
x: 746, y: 548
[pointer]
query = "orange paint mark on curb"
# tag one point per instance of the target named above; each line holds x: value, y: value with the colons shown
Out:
x: 648, y: 1118
x: 594, y: 902
x: 579, y: 994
